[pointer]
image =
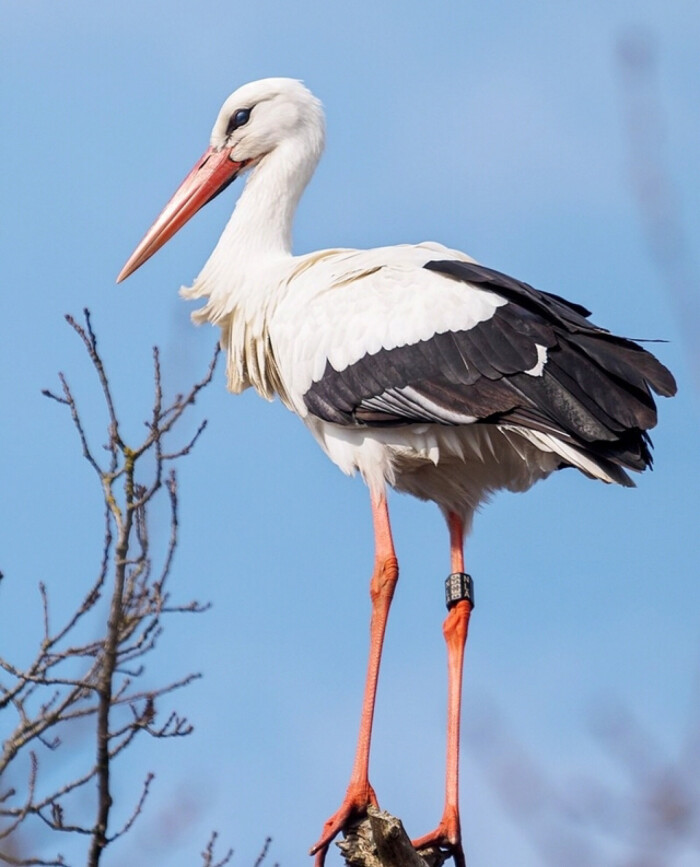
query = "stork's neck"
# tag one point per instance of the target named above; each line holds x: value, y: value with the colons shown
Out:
x: 260, y: 228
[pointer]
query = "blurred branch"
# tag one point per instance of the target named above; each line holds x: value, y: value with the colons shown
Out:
x: 652, y: 817
x: 657, y: 200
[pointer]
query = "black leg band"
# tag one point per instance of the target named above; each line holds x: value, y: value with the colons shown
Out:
x: 458, y: 586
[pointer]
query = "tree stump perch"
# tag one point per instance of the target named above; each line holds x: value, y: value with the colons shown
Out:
x: 380, y: 840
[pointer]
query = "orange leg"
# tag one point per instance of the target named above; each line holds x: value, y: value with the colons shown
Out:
x: 448, y: 833
x: 359, y: 794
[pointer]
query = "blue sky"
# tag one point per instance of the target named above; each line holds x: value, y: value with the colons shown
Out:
x: 498, y: 128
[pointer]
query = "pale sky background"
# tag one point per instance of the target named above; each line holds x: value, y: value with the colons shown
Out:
x: 498, y: 128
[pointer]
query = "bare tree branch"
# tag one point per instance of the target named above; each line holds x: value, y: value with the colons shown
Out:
x: 71, y: 678
x: 208, y: 856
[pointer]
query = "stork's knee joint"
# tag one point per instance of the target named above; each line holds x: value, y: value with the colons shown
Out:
x: 456, y: 624
x: 384, y: 578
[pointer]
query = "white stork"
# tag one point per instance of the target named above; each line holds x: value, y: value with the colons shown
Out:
x: 413, y: 364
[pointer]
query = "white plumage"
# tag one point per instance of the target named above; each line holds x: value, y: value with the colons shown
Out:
x: 412, y: 364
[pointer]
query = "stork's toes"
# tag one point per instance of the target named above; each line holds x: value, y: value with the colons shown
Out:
x: 354, y: 806
x: 447, y: 836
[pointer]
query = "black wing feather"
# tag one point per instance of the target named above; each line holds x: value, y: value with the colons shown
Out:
x: 594, y: 391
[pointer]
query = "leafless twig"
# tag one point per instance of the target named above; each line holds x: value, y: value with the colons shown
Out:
x: 72, y: 678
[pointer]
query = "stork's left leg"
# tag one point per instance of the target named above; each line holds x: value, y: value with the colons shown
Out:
x: 360, y: 794
x: 448, y: 833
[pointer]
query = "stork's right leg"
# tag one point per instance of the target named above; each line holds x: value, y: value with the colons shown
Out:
x: 359, y: 794
x: 448, y: 833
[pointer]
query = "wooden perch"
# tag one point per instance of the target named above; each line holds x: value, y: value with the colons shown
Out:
x: 379, y: 840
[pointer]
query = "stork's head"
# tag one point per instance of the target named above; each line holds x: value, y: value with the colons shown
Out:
x: 256, y: 120
x: 261, y: 115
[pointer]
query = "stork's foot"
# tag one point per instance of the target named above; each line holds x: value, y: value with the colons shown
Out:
x: 446, y: 836
x: 358, y: 797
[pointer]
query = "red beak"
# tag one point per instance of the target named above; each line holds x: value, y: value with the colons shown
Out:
x: 212, y: 173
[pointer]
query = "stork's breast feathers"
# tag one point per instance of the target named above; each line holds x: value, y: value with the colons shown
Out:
x: 471, y: 345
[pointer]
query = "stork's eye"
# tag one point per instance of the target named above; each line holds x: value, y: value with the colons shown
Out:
x: 238, y: 118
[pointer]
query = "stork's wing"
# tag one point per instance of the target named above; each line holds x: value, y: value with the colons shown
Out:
x: 536, y: 363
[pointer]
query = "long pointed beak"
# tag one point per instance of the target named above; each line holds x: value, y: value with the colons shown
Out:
x: 214, y: 171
